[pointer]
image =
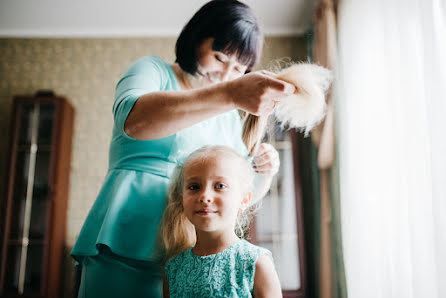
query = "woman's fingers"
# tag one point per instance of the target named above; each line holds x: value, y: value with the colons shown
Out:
x: 276, y: 90
x: 269, y: 73
x: 278, y: 84
x: 270, y: 168
x: 270, y: 108
x: 259, y: 92
x: 281, y: 86
x: 267, y: 160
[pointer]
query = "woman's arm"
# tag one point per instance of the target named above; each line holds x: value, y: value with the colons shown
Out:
x: 160, y: 114
x: 266, y: 164
x: 266, y: 281
x: 262, y: 184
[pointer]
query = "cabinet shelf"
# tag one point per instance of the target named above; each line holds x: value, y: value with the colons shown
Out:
x: 40, y: 147
x: 19, y: 242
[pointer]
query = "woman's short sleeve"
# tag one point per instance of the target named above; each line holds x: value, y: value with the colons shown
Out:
x: 143, y: 76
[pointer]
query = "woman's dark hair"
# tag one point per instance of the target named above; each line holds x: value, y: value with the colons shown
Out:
x: 233, y: 26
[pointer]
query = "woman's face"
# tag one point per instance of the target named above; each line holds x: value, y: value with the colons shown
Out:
x: 215, y: 66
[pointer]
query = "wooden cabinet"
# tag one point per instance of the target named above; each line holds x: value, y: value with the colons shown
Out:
x: 34, y: 212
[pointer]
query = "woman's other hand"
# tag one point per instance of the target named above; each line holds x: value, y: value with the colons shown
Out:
x: 258, y: 92
x: 267, y: 161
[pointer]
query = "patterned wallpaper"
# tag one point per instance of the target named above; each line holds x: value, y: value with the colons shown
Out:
x: 86, y: 71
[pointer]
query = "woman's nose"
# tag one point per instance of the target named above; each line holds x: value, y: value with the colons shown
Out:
x: 226, y: 72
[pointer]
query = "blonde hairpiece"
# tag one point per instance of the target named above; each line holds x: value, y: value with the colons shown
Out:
x: 302, y: 110
x: 305, y: 108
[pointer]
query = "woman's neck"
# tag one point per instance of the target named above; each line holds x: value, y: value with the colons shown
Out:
x: 213, y: 243
x: 182, y: 77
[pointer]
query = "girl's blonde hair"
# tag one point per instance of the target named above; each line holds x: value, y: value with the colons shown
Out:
x: 254, y: 128
x: 177, y: 231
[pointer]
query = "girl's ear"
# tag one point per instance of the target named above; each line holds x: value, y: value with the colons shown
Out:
x: 246, y: 200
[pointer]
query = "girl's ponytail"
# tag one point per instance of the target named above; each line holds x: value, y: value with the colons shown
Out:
x: 253, y: 131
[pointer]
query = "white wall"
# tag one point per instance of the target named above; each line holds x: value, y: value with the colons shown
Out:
x: 105, y: 18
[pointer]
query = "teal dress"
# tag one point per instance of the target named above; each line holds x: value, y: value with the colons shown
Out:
x: 229, y: 273
x: 127, y: 212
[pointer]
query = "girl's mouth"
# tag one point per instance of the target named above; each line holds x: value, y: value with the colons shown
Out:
x: 205, y: 212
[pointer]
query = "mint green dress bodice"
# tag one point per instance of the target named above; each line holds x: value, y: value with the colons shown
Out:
x: 229, y: 273
x: 131, y: 201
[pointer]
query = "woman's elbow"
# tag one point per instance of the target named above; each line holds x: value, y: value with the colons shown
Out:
x: 135, y: 127
x: 130, y: 127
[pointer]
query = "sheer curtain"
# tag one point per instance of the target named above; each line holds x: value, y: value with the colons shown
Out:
x: 391, y: 127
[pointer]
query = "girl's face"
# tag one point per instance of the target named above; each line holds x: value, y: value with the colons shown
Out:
x: 213, y: 193
x: 215, y: 66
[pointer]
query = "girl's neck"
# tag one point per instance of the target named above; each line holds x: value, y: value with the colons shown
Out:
x: 213, y: 243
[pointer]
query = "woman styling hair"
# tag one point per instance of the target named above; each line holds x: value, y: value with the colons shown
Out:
x: 162, y: 112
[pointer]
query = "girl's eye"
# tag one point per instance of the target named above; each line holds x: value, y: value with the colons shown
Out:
x: 220, y: 186
x: 193, y: 187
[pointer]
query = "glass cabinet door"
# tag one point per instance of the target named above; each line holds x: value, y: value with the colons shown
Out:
x: 276, y: 221
x: 31, y: 199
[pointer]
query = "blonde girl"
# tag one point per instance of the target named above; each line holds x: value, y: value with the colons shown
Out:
x: 208, y: 210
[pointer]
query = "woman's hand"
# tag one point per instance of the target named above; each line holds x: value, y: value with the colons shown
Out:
x: 267, y: 161
x: 258, y: 92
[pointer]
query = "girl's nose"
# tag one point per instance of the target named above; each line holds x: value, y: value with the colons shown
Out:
x: 206, y: 199
x: 206, y: 196
x: 203, y: 200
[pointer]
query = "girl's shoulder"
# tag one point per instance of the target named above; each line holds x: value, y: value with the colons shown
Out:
x: 179, y: 260
x: 250, y: 251
x: 178, y: 256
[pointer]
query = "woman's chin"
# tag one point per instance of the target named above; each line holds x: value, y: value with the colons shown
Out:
x: 212, y: 81
x: 206, y: 83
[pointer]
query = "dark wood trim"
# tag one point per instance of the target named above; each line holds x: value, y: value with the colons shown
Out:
x: 293, y: 294
x: 302, y: 292
x: 60, y: 190
x: 48, y: 254
x: 14, y: 129
x: 26, y: 295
